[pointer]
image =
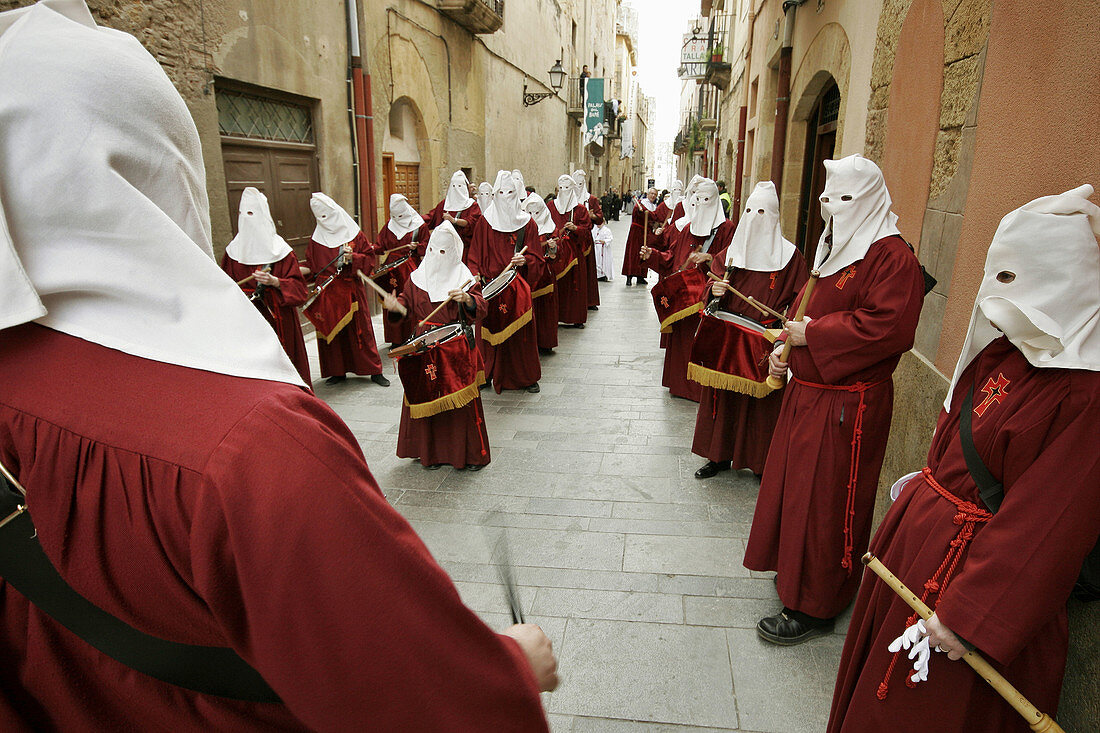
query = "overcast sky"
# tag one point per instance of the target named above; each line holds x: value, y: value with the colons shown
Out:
x: 661, y: 25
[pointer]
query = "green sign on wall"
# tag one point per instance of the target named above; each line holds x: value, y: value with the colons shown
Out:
x: 595, y: 128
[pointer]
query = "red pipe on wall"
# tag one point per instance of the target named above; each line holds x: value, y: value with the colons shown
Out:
x: 742, y: 125
x: 364, y: 136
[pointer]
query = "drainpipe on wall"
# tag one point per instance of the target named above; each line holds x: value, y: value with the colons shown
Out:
x: 783, y: 96
x: 743, y: 120
x: 363, y: 127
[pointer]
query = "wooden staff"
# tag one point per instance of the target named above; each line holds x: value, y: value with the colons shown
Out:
x: 410, y: 245
x: 748, y: 298
x: 439, y: 307
x: 378, y: 288
x: 776, y: 382
x: 244, y: 280
x: 645, y: 235
x: 1038, y: 720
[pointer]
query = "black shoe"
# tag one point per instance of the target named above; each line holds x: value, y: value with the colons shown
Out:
x: 711, y: 468
x: 380, y: 380
x: 433, y: 467
x: 601, y: 279
x: 335, y: 380
x: 534, y: 388
x: 788, y: 628
x: 628, y: 282
x: 642, y: 281
x: 578, y: 325
x: 546, y: 352
x: 593, y: 307
x: 472, y: 467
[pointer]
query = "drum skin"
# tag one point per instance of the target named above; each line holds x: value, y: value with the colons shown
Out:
x: 441, y: 376
x: 678, y: 296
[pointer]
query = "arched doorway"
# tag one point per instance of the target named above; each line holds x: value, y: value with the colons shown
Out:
x: 820, y: 144
x: 401, y: 153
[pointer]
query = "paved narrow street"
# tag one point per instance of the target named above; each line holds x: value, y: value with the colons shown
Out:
x: 631, y: 565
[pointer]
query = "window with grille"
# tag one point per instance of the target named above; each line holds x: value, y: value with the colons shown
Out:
x: 830, y: 106
x: 247, y: 115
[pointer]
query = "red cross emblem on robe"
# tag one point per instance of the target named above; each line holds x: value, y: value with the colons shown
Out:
x: 995, y: 391
x: 503, y: 308
x: 773, y: 276
x: 430, y: 370
x: 393, y: 282
x: 848, y: 273
x: 664, y: 301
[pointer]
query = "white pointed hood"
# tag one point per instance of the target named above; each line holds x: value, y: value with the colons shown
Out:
x: 693, y: 184
x: 858, y: 222
x: 256, y: 242
x: 1041, y: 286
x: 758, y: 242
x: 507, y: 214
x: 707, y: 209
x: 676, y: 193
x: 566, y: 199
x: 441, y: 270
x: 484, y: 197
x: 536, y: 207
x: 458, y: 194
x: 520, y: 183
x: 403, y: 217
x: 104, y: 228
x: 335, y: 227
x: 582, y: 186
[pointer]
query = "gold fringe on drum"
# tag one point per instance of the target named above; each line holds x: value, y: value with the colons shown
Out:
x: 453, y: 401
x: 720, y: 380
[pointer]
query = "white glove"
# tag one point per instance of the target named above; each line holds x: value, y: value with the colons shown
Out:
x: 915, y: 639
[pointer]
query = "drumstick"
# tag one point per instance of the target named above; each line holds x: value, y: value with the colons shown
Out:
x: 400, y: 308
x: 776, y: 382
x: 512, y: 267
x: 410, y: 245
x: 243, y: 281
x: 439, y: 307
x: 1039, y: 721
x: 749, y: 299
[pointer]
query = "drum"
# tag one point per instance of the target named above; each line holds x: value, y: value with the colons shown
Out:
x: 438, y: 370
x: 678, y: 296
x: 392, y: 276
x: 566, y: 259
x: 509, y: 299
x: 332, y: 307
x: 731, y: 352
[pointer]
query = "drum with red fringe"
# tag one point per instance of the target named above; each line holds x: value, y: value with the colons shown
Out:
x: 332, y: 308
x: 509, y: 300
x: 678, y: 296
x: 731, y: 352
x: 439, y: 370
x: 392, y: 276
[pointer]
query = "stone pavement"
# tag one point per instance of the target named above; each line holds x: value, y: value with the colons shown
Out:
x: 631, y: 565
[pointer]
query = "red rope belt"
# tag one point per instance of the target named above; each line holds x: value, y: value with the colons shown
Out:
x: 859, y: 388
x: 968, y: 516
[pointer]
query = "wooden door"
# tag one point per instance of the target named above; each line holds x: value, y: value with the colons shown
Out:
x: 820, y: 146
x: 407, y: 181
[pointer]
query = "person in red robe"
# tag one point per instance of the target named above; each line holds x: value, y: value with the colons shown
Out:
x: 703, y: 241
x: 574, y: 228
x: 813, y: 517
x: 338, y: 252
x: 179, y: 474
x: 400, y: 245
x: 644, y: 227
x: 997, y: 575
x: 595, y: 215
x: 450, y: 429
x: 266, y: 268
x: 544, y: 292
x: 733, y: 429
x: 513, y: 363
x: 459, y: 208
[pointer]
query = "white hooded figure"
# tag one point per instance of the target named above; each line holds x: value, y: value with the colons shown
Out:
x: 1041, y: 287
x: 335, y: 227
x: 520, y: 183
x: 536, y: 207
x: 566, y: 199
x: 87, y: 265
x: 856, y: 208
x: 675, y: 194
x: 689, y: 205
x: 707, y: 211
x: 507, y: 214
x: 403, y: 217
x: 758, y: 242
x: 256, y: 242
x: 583, y: 193
x: 485, y: 197
x: 458, y: 194
x: 441, y: 270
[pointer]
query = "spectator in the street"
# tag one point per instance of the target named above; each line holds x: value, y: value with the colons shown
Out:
x: 529, y: 189
x: 583, y: 80
x: 182, y: 478
x: 994, y: 555
x: 727, y: 202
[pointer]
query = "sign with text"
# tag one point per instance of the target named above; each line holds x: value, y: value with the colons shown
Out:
x: 595, y: 125
x: 694, y: 55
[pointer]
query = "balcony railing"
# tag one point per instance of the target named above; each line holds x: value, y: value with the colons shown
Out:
x: 574, y: 99
x: 476, y: 16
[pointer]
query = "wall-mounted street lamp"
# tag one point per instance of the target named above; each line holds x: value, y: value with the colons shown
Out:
x: 557, y: 81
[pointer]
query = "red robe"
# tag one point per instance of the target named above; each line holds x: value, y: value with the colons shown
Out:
x: 813, y: 513
x: 595, y: 214
x: 1007, y: 593
x: 353, y: 349
x: 731, y: 426
x: 470, y: 215
x: 281, y: 302
x: 513, y: 364
x: 678, y: 344
x: 546, y: 304
x: 457, y: 437
x: 573, y: 287
x: 399, y: 332
x: 216, y: 510
x: 632, y: 260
